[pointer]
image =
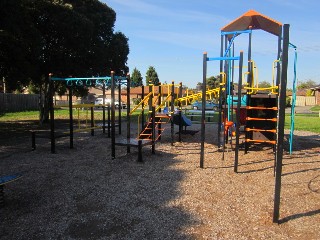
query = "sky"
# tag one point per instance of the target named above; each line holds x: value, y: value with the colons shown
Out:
x: 172, y: 36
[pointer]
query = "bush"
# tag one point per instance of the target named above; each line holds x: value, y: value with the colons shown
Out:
x: 136, y: 101
x: 288, y: 101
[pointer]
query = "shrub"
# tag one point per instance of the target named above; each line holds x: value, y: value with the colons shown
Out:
x: 288, y: 101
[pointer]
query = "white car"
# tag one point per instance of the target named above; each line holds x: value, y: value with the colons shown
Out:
x: 99, y: 101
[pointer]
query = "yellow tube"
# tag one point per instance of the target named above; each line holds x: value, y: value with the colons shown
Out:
x: 146, y: 98
x: 273, y: 67
x: 224, y: 76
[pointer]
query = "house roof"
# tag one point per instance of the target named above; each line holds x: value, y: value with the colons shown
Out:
x: 164, y: 90
x: 315, y: 88
x: 253, y: 20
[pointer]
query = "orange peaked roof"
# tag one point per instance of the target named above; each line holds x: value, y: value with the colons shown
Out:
x: 255, y: 20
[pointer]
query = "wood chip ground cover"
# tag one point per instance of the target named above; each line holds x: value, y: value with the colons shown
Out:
x: 83, y: 193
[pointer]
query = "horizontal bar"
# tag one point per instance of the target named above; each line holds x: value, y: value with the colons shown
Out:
x: 92, y: 78
x: 292, y: 45
x: 76, y: 79
x: 260, y: 130
x: 262, y: 108
x: 223, y: 58
x: 120, y: 78
x: 261, y: 119
x: 261, y: 141
x: 235, y: 32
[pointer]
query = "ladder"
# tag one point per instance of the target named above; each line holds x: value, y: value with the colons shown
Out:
x: 154, y: 127
x: 261, y: 120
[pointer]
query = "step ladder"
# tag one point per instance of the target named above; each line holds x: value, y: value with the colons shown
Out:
x: 261, y: 120
x: 154, y: 127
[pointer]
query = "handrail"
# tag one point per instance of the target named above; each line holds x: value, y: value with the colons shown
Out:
x: 146, y: 98
x: 162, y: 103
x: 224, y: 76
x: 156, y: 99
x: 253, y: 89
x: 199, y: 95
x: 273, y: 67
x: 255, y: 77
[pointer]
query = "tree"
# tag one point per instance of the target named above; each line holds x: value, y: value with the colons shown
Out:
x: 136, y: 78
x: 19, y: 44
x: 199, y: 86
x: 307, y: 85
x: 63, y: 37
x: 264, y: 84
x: 119, y: 54
x: 213, y: 82
x: 152, y: 77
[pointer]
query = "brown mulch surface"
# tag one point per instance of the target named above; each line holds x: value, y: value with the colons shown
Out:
x: 83, y: 193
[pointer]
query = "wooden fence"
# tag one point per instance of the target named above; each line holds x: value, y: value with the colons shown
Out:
x: 305, y: 101
x: 10, y: 102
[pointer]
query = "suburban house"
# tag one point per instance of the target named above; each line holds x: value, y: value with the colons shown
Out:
x: 135, y: 93
x: 316, y: 91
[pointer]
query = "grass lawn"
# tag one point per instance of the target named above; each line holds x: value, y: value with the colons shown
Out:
x: 315, y: 109
x: 305, y: 122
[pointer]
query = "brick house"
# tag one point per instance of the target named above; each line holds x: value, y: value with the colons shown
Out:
x: 135, y: 93
x: 317, y: 94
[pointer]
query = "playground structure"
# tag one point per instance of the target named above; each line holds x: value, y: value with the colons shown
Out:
x: 152, y: 120
x: 88, y: 124
x: 265, y: 107
x: 150, y: 131
x: 263, y: 114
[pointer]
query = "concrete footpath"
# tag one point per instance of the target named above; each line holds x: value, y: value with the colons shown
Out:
x: 300, y: 109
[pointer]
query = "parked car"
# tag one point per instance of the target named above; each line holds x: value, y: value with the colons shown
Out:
x: 197, y: 105
x: 99, y: 101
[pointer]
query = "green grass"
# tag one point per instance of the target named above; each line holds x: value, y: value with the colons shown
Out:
x: 19, y: 116
x: 58, y: 114
x: 304, y: 122
x: 315, y: 109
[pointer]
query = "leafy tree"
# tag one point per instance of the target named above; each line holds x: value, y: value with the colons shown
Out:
x: 19, y: 44
x: 136, y: 78
x: 63, y: 37
x: 309, y: 93
x: 213, y: 82
x: 306, y: 85
x: 152, y: 77
x: 119, y: 54
x: 199, y: 86
x: 264, y: 84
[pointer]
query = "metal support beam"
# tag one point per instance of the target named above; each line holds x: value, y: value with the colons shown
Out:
x: 281, y: 116
x: 203, y: 112
x: 113, y: 129
x: 238, y: 114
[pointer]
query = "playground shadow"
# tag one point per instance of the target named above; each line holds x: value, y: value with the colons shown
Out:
x: 313, y: 186
x: 299, y: 215
x: 304, y: 142
x: 84, y: 194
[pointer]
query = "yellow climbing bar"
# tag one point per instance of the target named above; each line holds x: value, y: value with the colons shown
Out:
x: 146, y: 98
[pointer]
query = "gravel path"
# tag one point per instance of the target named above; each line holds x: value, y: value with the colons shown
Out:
x: 82, y: 193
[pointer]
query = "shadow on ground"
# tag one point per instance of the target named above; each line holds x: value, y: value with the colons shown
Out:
x: 82, y: 193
